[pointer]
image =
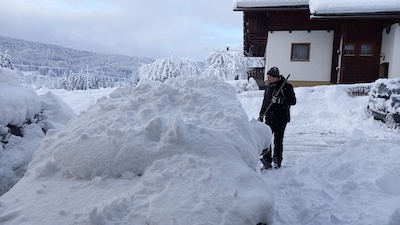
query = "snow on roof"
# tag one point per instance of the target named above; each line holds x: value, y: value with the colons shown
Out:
x: 267, y: 3
x: 326, y: 6
x: 356, y: 6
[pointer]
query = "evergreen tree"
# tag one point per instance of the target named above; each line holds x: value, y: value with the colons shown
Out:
x: 84, y: 81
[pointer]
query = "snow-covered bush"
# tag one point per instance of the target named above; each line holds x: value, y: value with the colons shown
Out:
x: 244, y: 85
x: 230, y: 65
x: 165, y: 68
x: 5, y: 61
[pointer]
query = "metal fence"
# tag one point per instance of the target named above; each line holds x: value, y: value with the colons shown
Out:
x: 359, y: 90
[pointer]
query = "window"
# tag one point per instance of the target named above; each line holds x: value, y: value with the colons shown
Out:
x: 349, y: 50
x: 300, y: 52
x: 366, y: 50
x: 358, y: 49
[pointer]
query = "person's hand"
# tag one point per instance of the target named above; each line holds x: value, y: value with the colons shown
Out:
x: 277, y: 100
x: 261, y: 119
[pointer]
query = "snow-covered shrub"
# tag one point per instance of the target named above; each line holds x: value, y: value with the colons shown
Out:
x: 165, y: 68
x: 5, y: 61
x: 230, y: 65
x: 244, y: 85
x: 227, y: 65
x: 252, y: 85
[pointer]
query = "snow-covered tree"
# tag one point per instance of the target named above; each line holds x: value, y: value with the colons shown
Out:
x: 229, y: 65
x: 5, y: 61
x: 165, y: 68
x: 84, y: 81
x: 77, y: 81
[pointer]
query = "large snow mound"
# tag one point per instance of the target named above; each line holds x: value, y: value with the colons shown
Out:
x: 155, y: 121
x: 160, y: 153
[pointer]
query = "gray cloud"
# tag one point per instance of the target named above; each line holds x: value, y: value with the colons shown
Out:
x: 131, y: 27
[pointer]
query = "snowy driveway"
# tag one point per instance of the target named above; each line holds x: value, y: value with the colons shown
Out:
x: 340, y: 166
x: 299, y: 146
x: 313, y: 189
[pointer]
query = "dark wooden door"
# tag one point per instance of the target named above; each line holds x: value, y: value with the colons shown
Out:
x: 361, y: 51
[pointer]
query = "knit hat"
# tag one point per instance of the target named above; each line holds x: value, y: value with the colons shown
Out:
x: 274, y: 71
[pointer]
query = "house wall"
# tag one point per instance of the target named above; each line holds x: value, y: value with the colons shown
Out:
x: 317, y: 69
x: 391, y: 50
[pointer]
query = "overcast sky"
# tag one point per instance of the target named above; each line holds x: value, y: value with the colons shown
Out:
x: 145, y: 28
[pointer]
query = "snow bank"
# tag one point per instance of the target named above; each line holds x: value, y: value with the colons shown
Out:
x: 322, y: 112
x: 172, y: 153
x: 78, y: 100
x: 155, y: 121
x: 23, y: 108
x: 353, y: 173
x: 17, y: 104
x: 55, y: 112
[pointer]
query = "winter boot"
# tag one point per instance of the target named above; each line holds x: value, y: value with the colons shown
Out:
x: 267, y: 166
x: 277, y: 165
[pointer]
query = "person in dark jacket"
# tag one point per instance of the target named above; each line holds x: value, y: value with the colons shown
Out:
x: 276, y: 112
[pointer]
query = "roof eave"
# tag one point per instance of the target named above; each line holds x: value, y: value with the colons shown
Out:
x: 272, y: 8
x: 373, y: 15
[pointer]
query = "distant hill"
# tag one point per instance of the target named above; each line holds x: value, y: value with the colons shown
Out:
x: 56, y: 61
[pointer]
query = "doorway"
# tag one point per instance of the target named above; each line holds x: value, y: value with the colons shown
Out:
x: 384, y: 70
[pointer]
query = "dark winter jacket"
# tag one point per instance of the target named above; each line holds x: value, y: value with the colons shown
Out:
x: 278, y: 113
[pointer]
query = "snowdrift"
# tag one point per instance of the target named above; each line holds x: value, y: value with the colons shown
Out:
x: 160, y: 153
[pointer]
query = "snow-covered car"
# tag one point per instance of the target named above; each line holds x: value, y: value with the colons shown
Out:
x: 384, y: 101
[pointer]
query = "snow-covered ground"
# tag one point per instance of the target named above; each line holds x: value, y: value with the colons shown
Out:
x: 340, y: 165
x: 184, y: 153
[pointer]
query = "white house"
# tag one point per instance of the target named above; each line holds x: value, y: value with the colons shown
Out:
x: 324, y: 41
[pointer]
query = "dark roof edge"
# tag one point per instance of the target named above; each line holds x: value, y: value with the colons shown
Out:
x: 272, y: 8
x: 393, y: 14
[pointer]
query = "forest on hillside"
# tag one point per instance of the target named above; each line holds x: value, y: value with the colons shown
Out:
x: 43, y: 65
x: 55, y: 61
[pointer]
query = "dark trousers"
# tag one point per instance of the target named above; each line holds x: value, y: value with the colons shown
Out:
x: 278, y: 131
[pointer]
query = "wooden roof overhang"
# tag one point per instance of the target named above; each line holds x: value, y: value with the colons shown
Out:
x: 366, y: 15
x: 317, y: 15
x: 272, y: 8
